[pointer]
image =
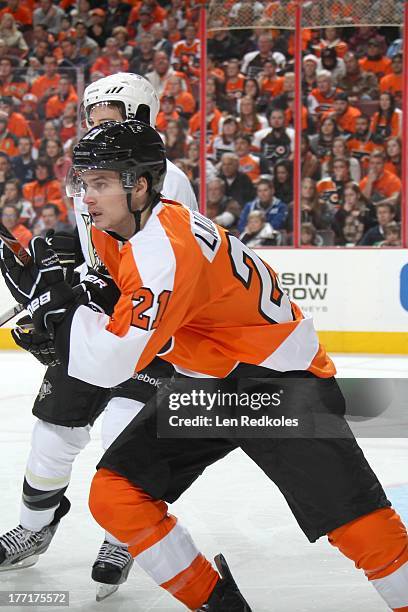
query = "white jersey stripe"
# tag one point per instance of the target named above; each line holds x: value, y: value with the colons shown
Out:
x: 297, y: 351
x: 92, y: 348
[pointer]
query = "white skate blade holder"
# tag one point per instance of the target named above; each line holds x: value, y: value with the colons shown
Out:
x: 27, y: 562
x: 105, y: 590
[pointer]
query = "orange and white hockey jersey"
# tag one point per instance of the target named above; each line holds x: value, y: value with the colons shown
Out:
x: 196, y: 296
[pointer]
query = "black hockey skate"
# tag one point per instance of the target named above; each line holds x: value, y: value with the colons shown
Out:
x: 20, y: 547
x: 226, y: 596
x: 111, y: 569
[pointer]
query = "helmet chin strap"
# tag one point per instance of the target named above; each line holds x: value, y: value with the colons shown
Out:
x: 137, y: 214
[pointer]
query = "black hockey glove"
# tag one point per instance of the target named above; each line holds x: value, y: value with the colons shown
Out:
x: 68, y: 248
x: 101, y: 293
x: 39, y: 345
x: 39, y: 286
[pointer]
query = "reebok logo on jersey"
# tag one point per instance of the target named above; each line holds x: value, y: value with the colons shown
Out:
x: 155, y: 382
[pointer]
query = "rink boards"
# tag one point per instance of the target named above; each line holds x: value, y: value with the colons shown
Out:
x: 357, y: 298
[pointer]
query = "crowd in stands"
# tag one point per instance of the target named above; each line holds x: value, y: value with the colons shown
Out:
x: 351, y: 117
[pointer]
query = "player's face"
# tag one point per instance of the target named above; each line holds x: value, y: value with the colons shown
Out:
x: 101, y: 113
x: 106, y: 200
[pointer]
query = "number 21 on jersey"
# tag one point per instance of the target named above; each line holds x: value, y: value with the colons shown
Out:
x: 273, y: 303
x: 144, y: 299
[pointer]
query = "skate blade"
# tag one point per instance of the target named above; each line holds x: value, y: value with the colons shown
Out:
x: 105, y: 590
x: 28, y: 562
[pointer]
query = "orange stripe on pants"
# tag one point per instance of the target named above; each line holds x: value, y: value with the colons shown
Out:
x: 135, y: 518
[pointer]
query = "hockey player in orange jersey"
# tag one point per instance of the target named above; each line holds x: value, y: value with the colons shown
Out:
x: 206, y: 303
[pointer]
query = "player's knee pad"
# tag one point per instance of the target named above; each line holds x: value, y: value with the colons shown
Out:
x: 53, y: 451
x: 122, y: 509
x: 376, y: 542
x: 119, y: 412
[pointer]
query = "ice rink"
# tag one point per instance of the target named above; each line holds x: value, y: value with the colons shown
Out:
x: 233, y: 509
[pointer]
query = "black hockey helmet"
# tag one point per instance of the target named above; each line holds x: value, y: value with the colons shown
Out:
x: 132, y: 148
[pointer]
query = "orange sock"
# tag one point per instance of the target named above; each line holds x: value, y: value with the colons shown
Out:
x: 378, y: 544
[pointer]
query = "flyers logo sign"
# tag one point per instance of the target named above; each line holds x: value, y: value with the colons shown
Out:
x: 404, y: 287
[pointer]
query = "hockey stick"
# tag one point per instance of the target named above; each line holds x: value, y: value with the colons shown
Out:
x: 14, y: 245
x: 10, y: 313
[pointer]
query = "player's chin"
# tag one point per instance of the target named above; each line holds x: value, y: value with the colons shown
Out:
x: 100, y: 222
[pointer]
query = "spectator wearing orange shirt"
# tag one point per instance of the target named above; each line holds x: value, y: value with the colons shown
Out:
x: 46, y: 85
x: 185, y: 103
x: 68, y: 126
x: 344, y: 115
x: 11, y: 220
x: 268, y: 80
x: 213, y: 70
x: 56, y: 104
x: 375, y: 61
x: 110, y: 52
x: 248, y: 163
x: 380, y: 185
x: 393, y: 82
x: 17, y: 124
x: 189, y: 46
x: 21, y: 14
x: 8, y: 142
x: 213, y: 116
x: 167, y: 113
x: 290, y: 114
x: 322, y: 97
x: 234, y: 81
x: 157, y: 12
x: 45, y: 189
x: 10, y: 83
x: 387, y: 121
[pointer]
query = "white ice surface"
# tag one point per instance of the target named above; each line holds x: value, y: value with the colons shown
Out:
x: 233, y: 508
